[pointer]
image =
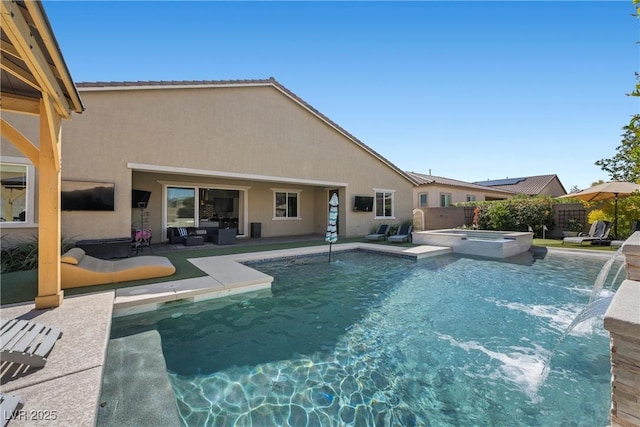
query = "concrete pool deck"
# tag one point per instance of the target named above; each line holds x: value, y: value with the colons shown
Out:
x: 70, y: 383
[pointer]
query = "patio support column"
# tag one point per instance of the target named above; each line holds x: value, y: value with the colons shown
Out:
x: 49, y: 289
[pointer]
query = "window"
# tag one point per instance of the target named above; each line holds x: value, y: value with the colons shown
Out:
x: 181, y: 207
x: 471, y: 198
x: 286, y: 204
x: 384, y: 203
x: 423, y: 200
x: 445, y: 199
x: 17, y: 195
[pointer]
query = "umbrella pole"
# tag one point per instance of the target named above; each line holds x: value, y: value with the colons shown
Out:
x: 330, y: 252
x: 615, y: 215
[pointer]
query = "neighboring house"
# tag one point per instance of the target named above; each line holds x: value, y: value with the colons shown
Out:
x: 435, y: 191
x: 232, y: 152
x: 541, y: 185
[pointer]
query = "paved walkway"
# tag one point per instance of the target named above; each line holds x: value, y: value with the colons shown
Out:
x: 66, y: 391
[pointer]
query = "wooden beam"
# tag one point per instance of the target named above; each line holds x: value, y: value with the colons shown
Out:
x: 19, y: 33
x: 8, y: 48
x: 59, y: 67
x: 50, y: 293
x: 20, y: 141
x: 12, y: 68
x: 48, y: 113
x: 19, y: 104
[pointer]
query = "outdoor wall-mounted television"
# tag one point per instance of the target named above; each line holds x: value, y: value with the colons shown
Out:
x: 87, y: 196
x: 140, y: 198
x: 363, y: 204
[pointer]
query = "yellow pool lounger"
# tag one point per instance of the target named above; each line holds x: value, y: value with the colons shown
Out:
x: 79, y: 269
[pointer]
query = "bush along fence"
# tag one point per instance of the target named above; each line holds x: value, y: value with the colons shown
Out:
x: 516, y: 214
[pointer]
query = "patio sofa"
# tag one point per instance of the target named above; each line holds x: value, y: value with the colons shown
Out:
x: 193, y: 236
x: 79, y: 269
x: 189, y: 236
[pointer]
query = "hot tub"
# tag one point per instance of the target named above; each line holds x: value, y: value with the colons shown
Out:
x: 493, y: 244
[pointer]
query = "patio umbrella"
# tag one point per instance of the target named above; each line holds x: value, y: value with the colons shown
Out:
x: 332, y: 229
x: 607, y: 191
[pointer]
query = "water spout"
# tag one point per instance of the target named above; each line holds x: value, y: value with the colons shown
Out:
x: 598, y: 285
x: 595, y: 307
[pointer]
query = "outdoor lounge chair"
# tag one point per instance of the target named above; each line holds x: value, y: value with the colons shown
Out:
x: 78, y: 269
x: 598, y: 232
x: 403, y: 234
x: 381, y: 233
x: 26, y: 342
x: 635, y: 226
x: 9, y: 404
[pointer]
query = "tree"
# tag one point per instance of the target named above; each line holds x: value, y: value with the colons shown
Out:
x: 625, y: 164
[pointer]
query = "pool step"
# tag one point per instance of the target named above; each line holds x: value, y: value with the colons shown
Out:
x: 224, y: 277
x: 136, y: 390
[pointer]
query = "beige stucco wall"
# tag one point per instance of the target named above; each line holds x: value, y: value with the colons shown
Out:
x: 253, y: 132
x: 458, y: 195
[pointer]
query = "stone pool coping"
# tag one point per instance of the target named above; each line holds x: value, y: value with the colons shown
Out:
x: 70, y: 383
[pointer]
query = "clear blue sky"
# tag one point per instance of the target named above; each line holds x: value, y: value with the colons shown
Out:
x: 466, y: 90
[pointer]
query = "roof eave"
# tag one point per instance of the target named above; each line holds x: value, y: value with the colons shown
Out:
x: 41, y: 20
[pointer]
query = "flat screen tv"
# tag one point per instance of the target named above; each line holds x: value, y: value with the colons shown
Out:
x: 87, y: 196
x: 363, y: 204
x: 140, y: 198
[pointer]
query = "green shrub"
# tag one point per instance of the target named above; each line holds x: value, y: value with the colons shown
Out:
x: 516, y: 214
x: 23, y: 256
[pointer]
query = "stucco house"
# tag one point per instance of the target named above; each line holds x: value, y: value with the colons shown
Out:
x: 539, y: 185
x: 435, y: 191
x: 202, y: 153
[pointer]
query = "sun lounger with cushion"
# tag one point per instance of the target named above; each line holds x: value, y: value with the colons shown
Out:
x: 403, y: 234
x: 381, y: 233
x: 78, y: 269
x: 599, y: 231
x: 26, y: 342
x: 9, y: 404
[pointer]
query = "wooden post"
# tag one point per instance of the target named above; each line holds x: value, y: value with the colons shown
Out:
x: 49, y: 290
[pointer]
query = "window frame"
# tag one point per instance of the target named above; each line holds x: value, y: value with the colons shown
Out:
x: 288, y: 192
x: 443, y: 200
x: 30, y: 196
x: 470, y: 197
x: 426, y: 200
x: 386, y: 193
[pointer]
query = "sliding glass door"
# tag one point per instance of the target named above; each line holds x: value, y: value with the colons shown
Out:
x: 221, y: 207
x: 200, y: 206
x: 181, y: 207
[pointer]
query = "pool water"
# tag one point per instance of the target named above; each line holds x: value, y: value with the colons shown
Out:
x: 378, y: 340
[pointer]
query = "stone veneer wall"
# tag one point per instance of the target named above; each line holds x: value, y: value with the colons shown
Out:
x: 622, y: 320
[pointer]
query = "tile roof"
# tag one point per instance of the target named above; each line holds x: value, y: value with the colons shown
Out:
x: 531, y: 185
x: 246, y: 82
x: 423, y: 179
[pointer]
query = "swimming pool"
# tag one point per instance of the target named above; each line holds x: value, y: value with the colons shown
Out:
x: 377, y: 340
